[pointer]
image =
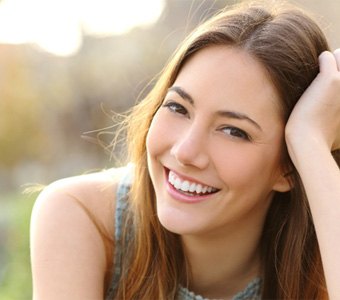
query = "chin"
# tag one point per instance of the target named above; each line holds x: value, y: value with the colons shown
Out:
x: 177, y: 222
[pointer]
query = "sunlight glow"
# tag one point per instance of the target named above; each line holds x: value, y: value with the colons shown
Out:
x: 57, y: 26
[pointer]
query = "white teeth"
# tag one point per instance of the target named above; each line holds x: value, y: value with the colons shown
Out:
x: 171, y: 178
x: 178, y: 183
x: 192, y: 187
x: 187, y: 186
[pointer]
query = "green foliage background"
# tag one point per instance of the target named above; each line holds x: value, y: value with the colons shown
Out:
x: 48, y: 102
x: 15, y: 283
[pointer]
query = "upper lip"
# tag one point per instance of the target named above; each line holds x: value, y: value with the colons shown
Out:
x: 184, y: 177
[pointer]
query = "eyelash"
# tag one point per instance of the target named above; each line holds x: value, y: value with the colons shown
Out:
x: 175, y: 107
x: 235, y: 132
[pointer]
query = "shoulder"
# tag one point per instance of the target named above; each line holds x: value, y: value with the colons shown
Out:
x: 71, y: 224
x: 93, y: 193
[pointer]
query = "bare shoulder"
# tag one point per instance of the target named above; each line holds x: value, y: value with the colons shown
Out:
x: 71, y: 224
x: 92, y: 193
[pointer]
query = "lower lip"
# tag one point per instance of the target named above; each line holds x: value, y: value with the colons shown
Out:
x: 183, y: 197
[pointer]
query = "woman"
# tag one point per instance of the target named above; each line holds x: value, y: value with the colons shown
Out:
x: 234, y: 187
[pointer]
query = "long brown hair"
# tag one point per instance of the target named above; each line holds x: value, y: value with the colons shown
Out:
x: 287, y: 42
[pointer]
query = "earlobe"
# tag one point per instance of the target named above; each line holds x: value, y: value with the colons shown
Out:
x: 283, y: 183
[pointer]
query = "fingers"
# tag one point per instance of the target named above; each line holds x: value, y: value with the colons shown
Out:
x: 329, y: 62
x: 337, y: 57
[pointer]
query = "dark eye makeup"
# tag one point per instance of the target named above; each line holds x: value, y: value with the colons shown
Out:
x: 175, y: 107
x: 236, y: 132
x: 232, y: 131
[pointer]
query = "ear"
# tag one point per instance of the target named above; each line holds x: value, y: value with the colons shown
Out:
x: 283, y: 182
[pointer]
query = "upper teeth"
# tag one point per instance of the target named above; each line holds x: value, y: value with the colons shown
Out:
x: 188, y: 186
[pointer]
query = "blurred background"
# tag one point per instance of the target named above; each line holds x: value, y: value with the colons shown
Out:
x: 65, y: 67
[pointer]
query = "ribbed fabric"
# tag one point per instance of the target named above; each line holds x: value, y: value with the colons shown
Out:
x: 251, y: 292
x: 121, y: 205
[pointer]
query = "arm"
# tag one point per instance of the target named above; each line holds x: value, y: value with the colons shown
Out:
x: 68, y: 255
x: 312, y: 131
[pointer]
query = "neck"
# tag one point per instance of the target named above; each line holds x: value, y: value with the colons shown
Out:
x: 222, y: 265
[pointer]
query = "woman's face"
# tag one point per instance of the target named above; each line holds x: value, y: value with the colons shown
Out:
x: 214, y: 146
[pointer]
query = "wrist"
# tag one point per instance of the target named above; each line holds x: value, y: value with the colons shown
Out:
x: 305, y: 147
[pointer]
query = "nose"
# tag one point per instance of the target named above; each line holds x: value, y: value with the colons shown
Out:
x: 190, y: 148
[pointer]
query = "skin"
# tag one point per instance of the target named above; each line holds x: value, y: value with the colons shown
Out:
x: 191, y: 138
x: 69, y: 257
x: 312, y: 131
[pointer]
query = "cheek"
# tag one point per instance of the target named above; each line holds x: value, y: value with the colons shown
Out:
x: 155, y: 140
x: 246, y: 166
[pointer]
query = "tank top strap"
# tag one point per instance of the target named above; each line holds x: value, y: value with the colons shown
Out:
x: 121, y: 206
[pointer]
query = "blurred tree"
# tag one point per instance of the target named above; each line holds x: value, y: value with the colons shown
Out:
x: 47, y: 102
x: 20, y: 109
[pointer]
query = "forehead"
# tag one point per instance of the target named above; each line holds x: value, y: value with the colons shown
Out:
x: 231, y: 75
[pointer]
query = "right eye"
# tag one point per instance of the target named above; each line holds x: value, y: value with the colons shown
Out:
x: 175, y: 107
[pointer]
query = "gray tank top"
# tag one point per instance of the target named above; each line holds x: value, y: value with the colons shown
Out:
x: 251, y: 292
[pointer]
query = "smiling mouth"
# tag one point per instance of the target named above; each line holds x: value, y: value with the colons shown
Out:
x: 189, y: 188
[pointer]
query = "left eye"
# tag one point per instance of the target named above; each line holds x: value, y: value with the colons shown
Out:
x: 175, y: 107
x: 236, y: 132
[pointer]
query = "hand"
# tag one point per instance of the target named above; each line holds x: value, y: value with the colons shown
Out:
x: 315, y: 119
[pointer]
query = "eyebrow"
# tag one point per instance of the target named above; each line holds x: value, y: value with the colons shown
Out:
x: 182, y: 93
x: 238, y: 116
x: 223, y: 113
